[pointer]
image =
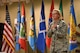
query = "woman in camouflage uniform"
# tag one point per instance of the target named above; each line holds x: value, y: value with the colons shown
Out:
x: 58, y: 32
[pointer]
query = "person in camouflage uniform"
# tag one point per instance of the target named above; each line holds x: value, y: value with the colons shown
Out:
x: 58, y: 32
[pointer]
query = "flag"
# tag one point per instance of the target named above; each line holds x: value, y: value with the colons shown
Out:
x: 17, y: 46
x: 73, y: 24
x: 48, y: 40
x: 42, y: 31
x: 68, y: 29
x: 8, y: 40
x: 22, y: 38
x: 61, y: 9
x: 32, y: 32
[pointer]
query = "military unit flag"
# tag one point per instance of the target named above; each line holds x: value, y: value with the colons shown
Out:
x: 48, y: 40
x: 42, y: 31
x: 73, y: 24
x: 32, y: 32
x: 22, y: 37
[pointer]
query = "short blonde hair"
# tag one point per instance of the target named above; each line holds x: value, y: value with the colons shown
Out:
x: 57, y: 11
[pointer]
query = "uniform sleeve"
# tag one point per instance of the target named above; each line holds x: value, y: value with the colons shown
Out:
x: 49, y: 32
x: 61, y: 30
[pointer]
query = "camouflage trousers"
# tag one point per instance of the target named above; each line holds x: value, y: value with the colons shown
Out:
x: 58, y: 52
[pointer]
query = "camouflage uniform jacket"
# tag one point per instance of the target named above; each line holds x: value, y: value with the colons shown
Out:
x: 59, y: 41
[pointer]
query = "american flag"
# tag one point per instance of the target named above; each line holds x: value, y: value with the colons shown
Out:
x: 8, y: 40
